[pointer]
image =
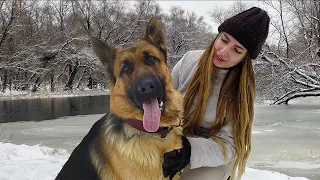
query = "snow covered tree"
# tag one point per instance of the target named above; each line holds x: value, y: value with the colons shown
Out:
x: 184, y: 32
x: 294, y: 62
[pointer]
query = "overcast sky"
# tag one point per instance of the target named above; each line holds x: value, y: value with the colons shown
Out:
x: 201, y: 8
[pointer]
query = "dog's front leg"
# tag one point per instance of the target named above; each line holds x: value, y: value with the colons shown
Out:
x: 176, y: 160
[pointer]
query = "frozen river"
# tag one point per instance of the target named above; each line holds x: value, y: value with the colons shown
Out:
x: 287, y: 139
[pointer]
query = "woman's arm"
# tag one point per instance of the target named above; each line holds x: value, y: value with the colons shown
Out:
x: 208, y: 153
x: 182, y: 72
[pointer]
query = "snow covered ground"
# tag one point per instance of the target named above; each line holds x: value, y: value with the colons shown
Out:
x: 23, y: 162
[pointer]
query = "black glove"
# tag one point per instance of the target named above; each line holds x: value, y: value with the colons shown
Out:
x: 176, y: 160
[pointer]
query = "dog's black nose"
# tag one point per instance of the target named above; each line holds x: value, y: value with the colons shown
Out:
x: 146, y: 86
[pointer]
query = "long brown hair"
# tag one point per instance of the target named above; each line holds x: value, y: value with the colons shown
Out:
x: 235, y: 103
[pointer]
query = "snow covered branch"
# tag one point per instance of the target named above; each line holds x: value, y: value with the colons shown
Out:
x: 297, y: 93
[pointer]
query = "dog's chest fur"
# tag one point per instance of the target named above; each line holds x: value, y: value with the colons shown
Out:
x: 128, y: 154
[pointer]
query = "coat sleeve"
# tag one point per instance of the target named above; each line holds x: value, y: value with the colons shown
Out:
x: 208, y: 153
x: 182, y: 70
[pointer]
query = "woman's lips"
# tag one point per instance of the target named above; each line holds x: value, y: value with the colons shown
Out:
x: 220, y: 59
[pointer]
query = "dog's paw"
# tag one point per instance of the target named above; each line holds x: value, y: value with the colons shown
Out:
x: 170, y: 162
x: 176, y: 160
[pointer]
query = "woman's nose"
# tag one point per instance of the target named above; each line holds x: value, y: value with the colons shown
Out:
x: 224, y: 52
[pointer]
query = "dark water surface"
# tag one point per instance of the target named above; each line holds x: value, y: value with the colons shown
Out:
x: 52, y: 108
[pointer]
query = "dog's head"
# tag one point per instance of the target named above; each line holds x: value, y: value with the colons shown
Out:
x: 140, y: 83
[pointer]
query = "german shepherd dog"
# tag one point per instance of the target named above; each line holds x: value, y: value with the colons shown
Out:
x: 141, y: 136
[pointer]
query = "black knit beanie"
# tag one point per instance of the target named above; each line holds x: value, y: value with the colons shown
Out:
x: 250, y: 28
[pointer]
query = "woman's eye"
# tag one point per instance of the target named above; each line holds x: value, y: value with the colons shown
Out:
x: 223, y: 40
x: 237, y: 51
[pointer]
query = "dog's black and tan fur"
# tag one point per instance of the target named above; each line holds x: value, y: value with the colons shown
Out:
x: 115, y: 150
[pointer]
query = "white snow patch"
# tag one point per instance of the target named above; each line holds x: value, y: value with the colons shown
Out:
x: 254, y: 174
x: 315, y: 131
x: 269, y: 130
x: 13, y: 93
x: 315, y: 111
x: 275, y: 124
x: 297, y: 165
x: 23, y: 162
x: 256, y: 132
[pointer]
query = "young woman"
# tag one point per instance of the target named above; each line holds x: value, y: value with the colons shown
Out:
x: 218, y: 86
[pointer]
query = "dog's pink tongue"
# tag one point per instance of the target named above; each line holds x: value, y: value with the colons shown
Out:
x: 151, y: 116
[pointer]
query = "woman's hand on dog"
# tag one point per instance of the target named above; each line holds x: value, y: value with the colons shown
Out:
x: 176, y: 160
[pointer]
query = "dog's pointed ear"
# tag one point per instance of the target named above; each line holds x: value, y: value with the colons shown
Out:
x: 106, y: 54
x: 154, y: 35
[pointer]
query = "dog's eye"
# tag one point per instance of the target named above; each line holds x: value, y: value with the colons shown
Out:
x: 126, y: 68
x: 151, y: 60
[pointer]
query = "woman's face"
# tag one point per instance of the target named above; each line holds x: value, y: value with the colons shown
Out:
x: 229, y: 52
